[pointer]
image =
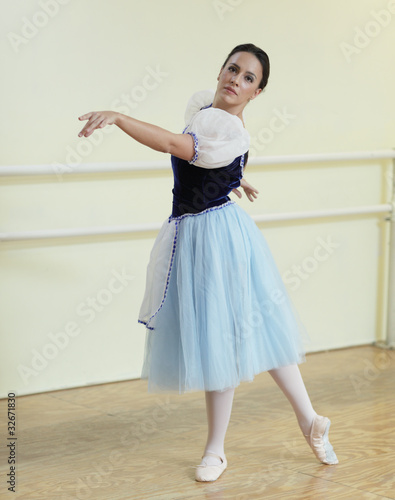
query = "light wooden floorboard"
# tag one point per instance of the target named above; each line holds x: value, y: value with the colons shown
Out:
x: 118, y: 442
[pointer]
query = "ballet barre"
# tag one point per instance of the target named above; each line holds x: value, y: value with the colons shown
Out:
x: 92, y: 168
x: 142, y: 166
x: 57, y: 169
x: 144, y: 228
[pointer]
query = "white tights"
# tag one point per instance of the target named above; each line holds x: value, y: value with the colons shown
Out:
x: 219, y: 408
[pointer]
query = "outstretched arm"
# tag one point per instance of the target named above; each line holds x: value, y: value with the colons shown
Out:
x: 157, y: 138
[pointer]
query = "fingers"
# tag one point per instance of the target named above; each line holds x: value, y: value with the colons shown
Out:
x: 86, y: 116
x: 251, y: 188
x: 251, y: 194
x: 93, y: 123
x: 249, y: 191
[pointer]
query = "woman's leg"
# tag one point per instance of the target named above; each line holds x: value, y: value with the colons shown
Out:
x: 218, y: 409
x: 290, y: 381
x: 315, y: 427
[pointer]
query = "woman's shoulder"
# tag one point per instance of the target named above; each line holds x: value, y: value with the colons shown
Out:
x: 198, y: 101
x: 202, y: 116
x: 217, y: 123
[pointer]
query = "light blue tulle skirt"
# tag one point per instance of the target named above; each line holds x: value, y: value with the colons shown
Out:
x: 215, y: 307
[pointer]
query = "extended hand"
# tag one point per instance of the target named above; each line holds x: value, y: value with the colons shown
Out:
x: 249, y: 190
x: 97, y: 119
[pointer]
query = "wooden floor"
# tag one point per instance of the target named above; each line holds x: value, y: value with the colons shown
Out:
x: 116, y: 441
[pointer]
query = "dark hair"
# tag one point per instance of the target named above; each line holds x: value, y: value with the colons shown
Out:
x: 260, y: 55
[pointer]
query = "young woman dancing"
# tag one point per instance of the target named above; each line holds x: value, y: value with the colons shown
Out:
x: 215, y: 307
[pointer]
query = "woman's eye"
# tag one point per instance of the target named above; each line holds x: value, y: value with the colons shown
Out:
x: 232, y: 68
x: 250, y: 79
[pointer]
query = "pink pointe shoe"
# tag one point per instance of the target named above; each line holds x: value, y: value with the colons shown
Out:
x: 319, y: 441
x: 206, y: 472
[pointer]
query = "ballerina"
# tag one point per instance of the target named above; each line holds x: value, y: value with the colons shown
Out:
x: 215, y: 308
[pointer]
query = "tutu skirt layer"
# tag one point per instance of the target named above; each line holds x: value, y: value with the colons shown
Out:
x: 216, y: 309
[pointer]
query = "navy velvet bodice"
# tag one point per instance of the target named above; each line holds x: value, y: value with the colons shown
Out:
x: 196, y: 188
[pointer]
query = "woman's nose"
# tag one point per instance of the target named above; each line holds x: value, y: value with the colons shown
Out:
x: 235, y: 79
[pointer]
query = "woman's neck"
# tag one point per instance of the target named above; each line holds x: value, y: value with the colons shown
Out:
x: 233, y: 110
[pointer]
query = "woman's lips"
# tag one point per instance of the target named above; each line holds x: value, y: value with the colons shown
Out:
x: 230, y: 90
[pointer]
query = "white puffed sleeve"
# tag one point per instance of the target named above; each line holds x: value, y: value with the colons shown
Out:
x: 219, y: 136
x: 198, y: 101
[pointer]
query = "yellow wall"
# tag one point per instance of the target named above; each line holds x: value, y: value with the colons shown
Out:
x: 331, y: 87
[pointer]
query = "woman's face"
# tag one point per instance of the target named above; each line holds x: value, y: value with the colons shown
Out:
x: 238, y: 80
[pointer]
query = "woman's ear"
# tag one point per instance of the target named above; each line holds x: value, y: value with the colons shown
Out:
x: 256, y: 94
